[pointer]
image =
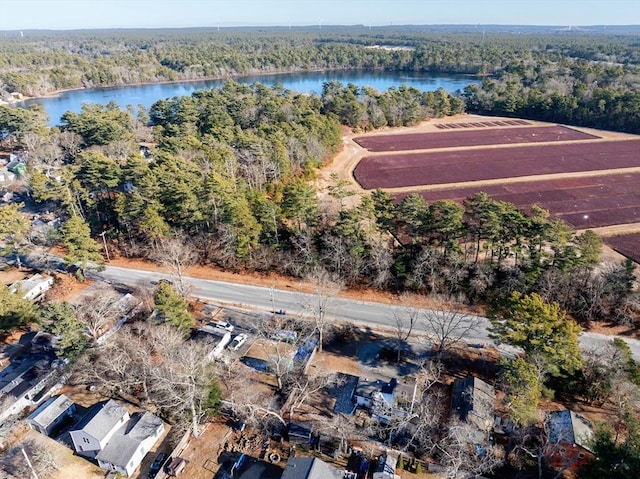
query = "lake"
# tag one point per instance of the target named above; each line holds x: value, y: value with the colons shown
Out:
x: 302, y: 82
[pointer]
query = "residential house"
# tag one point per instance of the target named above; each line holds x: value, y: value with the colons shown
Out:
x: 51, y: 414
x: 33, y: 288
x: 568, y: 435
x: 30, y: 372
x: 472, y: 402
x: 125, y: 450
x: 383, y: 398
x: 97, y: 427
x: 116, y: 440
x: 309, y: 468
x: 386, y: 468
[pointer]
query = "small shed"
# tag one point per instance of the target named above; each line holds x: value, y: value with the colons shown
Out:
x: 51, y: 414
x: 300, y: 433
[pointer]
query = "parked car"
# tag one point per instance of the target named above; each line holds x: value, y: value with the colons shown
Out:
x: 238, y: 341
x: 224, y: 325
x: 156, y: 465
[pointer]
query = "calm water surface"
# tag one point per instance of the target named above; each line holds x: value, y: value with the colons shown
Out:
x: 303, y: 82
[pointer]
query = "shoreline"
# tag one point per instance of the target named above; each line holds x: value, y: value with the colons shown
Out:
x: 57, y: 93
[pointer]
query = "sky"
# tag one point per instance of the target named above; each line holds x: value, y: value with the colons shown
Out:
x: 91, y: 14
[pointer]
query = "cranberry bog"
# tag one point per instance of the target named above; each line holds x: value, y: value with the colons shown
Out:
x: 476, y: 137
x: 441, y: 167
x: 627, y: 245
x: 585, y: 202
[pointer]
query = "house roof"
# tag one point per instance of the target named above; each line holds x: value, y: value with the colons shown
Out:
x: 343, y: 392
x: 472, y: 400
x: 50, y: 410
x: 27, y: 286
x: 101, y: 419
x: 367, y: 387
x: 299, y: 430
x: 309, y: 468
x: 16, y: 380
x: 125, y: 442
x: 568, y: 427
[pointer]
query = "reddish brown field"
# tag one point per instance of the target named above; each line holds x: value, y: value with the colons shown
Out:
x: 477, y: 137
x: 416, y: 169
x: 628, y: 245
x: 586, y: 202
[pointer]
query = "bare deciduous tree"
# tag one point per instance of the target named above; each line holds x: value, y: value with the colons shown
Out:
x: 448, y: 325
x: 404, y: 319
x: 464, y: 455
x: 154, y: 365
x: 28, y: 458
x: 177, y: 254
x: 99, y: 310
x: 300, y: 387
x: 320, y: 302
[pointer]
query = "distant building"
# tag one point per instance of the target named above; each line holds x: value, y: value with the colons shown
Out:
x: 51, y: 414
x: 472, y: 402
x: 568, y: 435
x: 309, y: 468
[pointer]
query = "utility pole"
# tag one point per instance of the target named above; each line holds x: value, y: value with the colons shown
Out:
x: 273, y: 304
x: 104, y: 241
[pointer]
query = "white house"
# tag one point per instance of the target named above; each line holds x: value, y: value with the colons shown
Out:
x: 116, y: 440
x: 97, y: 427
x: 33, y: 288
x: 128, y: 446
x: 51, y: 414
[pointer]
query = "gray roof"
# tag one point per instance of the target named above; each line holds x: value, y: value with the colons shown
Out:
x: 125, y: 442
x: 568, y: 427
x: 18, y: 379
x: 309, y: 468
x: 472, y: 400
x: 51, y: 410
x: 101, y: 419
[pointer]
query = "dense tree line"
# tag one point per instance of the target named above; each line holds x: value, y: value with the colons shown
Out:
x: 579, y: 78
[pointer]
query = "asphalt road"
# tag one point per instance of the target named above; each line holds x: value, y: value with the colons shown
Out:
x: 362, y: 313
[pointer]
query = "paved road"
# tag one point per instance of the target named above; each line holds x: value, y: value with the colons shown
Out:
x: 374, y: 315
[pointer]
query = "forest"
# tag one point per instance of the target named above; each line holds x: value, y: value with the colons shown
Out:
x: 576, y: 77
